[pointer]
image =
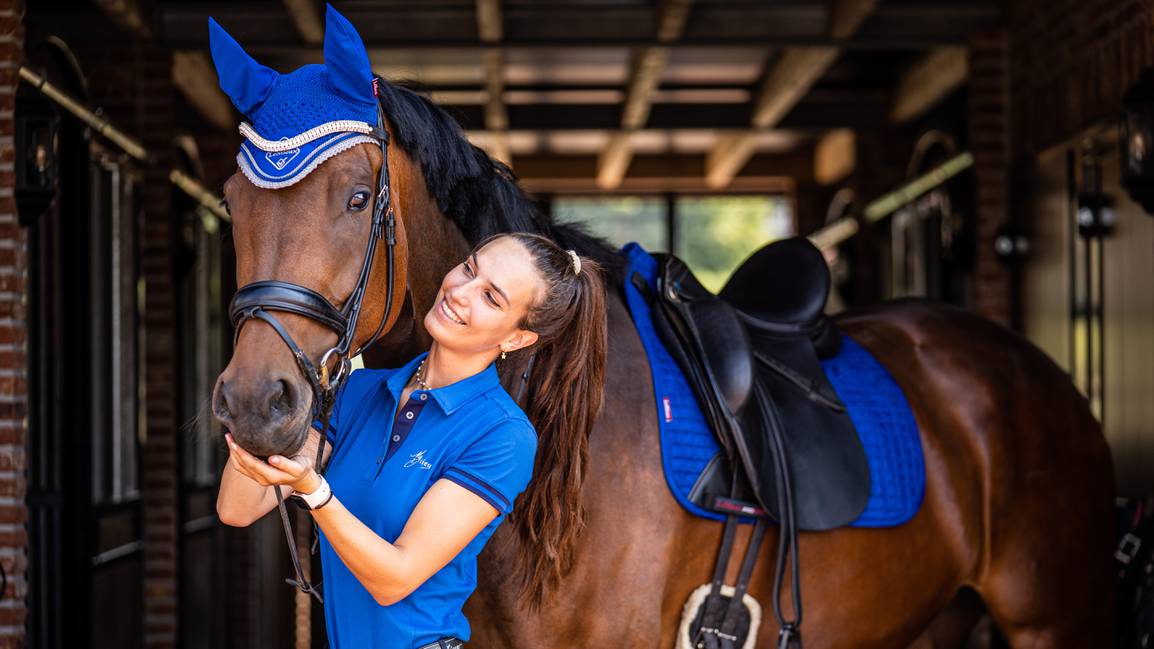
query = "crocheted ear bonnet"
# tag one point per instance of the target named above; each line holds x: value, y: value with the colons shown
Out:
x: 299, y: 119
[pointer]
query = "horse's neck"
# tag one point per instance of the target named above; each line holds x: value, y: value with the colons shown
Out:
x: 435, y: 245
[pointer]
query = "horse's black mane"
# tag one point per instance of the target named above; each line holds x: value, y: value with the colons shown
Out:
x: 481, y: 195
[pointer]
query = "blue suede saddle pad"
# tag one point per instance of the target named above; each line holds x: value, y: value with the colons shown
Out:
x: 879, y: 411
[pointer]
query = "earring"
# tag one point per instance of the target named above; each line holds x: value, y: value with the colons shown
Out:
x: 502, y: 354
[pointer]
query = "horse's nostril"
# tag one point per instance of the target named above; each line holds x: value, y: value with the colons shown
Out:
x: 282, y: 400
x: 220, y: 405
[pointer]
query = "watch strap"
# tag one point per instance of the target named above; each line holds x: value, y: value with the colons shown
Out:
x: 319, y: 497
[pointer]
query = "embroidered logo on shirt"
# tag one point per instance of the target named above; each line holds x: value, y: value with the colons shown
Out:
x: 418, y: 459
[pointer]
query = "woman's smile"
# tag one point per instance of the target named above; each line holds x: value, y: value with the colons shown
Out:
x: 449, y: 313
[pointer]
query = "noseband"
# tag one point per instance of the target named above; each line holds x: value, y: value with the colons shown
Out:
x: 259, y: 300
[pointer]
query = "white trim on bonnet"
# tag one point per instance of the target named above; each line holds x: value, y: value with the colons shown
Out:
x: 288, y: 144
x: 339, y: 147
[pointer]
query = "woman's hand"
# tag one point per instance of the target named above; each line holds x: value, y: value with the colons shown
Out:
x: 279, y: 470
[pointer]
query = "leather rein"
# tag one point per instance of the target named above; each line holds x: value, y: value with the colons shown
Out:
x: 259, y: 300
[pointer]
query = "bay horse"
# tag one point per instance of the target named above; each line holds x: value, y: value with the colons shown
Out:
x: 1018, y: 501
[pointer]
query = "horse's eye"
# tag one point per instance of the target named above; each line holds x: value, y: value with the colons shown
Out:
x: 359, y: 201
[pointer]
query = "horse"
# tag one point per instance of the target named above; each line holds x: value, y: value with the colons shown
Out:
x: 1018, y: 500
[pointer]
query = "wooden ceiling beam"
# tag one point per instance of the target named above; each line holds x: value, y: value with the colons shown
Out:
x: 309, y: 19
x: 904, y: 25
x: 126, y: 14
x: 812, y: 115
x: 648, y: 67
x: 194, y: 75
x: 661, y: 173
x: 928, y: 81
x: 834, y: 156
x: 786, y: 80
x: 490, y: 29
x: 846, y: 16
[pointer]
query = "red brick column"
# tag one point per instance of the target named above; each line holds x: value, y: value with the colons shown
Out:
x: 989, y: 123
x: 155, y: 116
x: 13, y: 344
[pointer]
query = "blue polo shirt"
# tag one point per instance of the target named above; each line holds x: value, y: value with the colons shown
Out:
x: 383, y: 462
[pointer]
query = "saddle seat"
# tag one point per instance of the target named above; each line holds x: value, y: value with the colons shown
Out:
x: 751, y: 356
x: 756, y: 289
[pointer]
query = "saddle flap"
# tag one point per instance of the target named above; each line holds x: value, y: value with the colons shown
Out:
x: 823, y: 455
x: 711, y: 329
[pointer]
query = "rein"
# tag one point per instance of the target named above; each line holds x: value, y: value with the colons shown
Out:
x: 259, y: 300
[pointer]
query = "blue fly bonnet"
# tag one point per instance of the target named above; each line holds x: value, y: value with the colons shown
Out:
x: 300, y: 119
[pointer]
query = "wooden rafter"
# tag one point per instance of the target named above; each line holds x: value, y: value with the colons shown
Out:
x: 490, y: 31
x: 922, y: 24
x: 929, y: 81
x: 308, y: 17
x: 834, y: 156
x: 846, y: 16
x: 786, y: 80
x: 648, y: 67
x: 126, y: 14
x: 661, y: 172
x: 489, y: 23
x: 195, y: 77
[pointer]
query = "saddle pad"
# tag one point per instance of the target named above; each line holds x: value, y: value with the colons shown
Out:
x: 876, y: 406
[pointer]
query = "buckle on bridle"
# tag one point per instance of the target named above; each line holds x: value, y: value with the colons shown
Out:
x: 326, y: 381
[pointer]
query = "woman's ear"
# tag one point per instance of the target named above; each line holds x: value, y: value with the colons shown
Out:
x: 521, y: 338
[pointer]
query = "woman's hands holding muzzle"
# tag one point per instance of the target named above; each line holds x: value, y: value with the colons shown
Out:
x: 294, y: 472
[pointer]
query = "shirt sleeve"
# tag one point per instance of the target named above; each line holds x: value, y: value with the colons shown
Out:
x: 498, y: 465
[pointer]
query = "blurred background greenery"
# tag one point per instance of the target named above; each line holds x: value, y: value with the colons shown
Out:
x: 713, y: 234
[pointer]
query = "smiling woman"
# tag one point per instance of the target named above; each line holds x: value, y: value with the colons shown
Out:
x: 424, y: 461
x: 402, y: 522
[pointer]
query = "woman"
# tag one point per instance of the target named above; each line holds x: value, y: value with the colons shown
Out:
x: 428, y: 459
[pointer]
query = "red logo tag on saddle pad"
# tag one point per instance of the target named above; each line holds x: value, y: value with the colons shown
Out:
x: 668, y: 411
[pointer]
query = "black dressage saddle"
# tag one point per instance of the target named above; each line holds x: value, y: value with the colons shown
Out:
x: 752, y: 356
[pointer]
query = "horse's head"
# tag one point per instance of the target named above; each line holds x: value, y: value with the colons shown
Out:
x: 311, y: 228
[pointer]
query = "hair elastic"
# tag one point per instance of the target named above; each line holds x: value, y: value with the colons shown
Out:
x: 576, y: 262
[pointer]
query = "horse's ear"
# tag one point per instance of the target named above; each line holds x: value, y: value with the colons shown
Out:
x: 246, y: 82
x: 346, y: 60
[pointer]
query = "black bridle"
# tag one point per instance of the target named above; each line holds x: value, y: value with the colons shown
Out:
x: 259, y: 300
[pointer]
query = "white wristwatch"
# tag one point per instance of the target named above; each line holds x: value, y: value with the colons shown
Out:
x: 318, y: 498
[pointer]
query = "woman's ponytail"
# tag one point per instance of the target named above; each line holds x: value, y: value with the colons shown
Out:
x: 565, y: 394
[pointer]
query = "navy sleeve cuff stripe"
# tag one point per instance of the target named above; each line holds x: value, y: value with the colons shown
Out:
x: 476, y: 490
x: 485, y: 485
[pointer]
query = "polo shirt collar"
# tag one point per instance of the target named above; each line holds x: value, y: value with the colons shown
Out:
x: 452, y: 396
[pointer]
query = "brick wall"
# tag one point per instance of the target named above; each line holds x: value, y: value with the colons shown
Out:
x: 155, y: 115
x: 1056, y: 68
x: 989, y: 125
x: 1072, y: 61
x: 13, y: 337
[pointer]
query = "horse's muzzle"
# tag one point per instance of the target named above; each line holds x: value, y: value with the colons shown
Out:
x: 266, y: 417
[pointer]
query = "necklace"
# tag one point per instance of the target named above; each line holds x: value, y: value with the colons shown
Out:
x: 419, y: 375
